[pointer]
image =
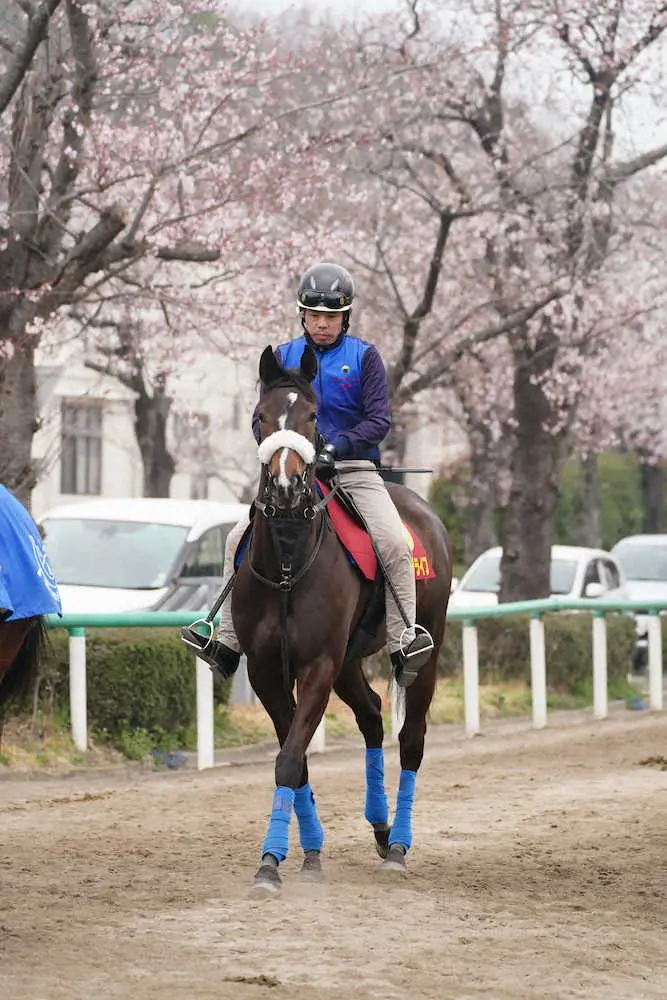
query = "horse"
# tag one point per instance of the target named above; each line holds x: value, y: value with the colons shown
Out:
x: 297, y: 604
x: 22, y: 644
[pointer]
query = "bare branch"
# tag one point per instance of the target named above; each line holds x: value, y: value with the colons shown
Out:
x: 113, y: 370
x: 223, y: 145
x: 511, y: 322
x: 195, y: 252
x: 502, y: 51
x: 84, y: 259
x: 415, y: 29
x: 656, y: 28
x: 623, y: 171
x: 17, y: 69
x: 563, y: 32
x: 75, y: 125
x: 27, y: 7
x: 411, y: 325
x: 141, y: 211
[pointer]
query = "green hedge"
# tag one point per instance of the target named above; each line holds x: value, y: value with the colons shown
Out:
x: 142, y: 680
x: 504, y: 649
x: 137, y: 679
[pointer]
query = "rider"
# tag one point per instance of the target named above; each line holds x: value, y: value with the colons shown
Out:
x: 354, y: 416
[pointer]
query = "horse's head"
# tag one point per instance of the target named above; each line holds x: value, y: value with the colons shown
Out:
x: 287, y: 414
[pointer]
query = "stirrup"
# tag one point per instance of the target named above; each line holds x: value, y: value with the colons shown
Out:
x: 408, y: 660
x: 194, y: 639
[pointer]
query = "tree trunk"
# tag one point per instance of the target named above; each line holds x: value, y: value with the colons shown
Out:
x: 588, y: 524
x: 18, y: 415
x: 151, y: 414
x: 535, y: 471
x: 652, y: 478
x: 480, y: 523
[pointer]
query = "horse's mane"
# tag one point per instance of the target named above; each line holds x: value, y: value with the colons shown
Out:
x: 290, y: 378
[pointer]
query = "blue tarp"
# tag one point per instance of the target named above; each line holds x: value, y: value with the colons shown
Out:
x: 27, y: 582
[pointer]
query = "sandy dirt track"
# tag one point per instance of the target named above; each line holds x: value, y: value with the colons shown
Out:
x: 539, y: 871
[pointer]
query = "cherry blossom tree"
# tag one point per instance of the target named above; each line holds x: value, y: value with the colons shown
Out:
x: 503, y: 208
x: 147, y: 129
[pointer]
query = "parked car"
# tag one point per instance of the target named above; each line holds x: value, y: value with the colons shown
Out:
x: 575, y: 572
x: 115, y: 555
x: 643, y: 559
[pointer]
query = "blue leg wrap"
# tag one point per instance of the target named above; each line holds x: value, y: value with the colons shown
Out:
x: 377, y: 810
x: 311, y: 834
x: 276, y: 841
x: 401, y: 831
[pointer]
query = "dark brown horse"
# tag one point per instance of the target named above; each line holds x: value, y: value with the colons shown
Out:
x: 21, y: 645
x: 296, y: 604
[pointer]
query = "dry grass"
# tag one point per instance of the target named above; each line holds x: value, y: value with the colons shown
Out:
x: 49, y: 747
x: 496, y: 701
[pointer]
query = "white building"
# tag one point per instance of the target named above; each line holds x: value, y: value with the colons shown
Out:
x: 86, y: 445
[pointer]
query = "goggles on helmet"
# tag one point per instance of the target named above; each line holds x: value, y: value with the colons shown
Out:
x: 330, y: 301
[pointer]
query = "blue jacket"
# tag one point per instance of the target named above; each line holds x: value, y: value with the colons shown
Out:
x: 353, y: 412
x: 28, y: 586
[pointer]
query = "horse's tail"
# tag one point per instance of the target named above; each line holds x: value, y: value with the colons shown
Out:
x: 19, y: 680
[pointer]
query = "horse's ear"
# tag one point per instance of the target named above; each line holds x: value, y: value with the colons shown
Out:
x: 269, y: 369
x: 308, y: 363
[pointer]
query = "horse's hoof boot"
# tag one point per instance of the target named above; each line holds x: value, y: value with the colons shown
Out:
x: 267, y: 881
x: 311, y: 870
x: 395, y: 861
x: 382, y: 840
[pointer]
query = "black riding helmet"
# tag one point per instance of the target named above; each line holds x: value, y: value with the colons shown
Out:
x: 326, y: 287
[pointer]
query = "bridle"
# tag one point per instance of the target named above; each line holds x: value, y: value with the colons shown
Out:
x: 289, y: 532
x: 306, y: 511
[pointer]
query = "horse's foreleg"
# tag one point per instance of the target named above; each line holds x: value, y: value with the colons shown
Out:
x: 293, y: 792
x: 411, y: 744
x: 280, y: 706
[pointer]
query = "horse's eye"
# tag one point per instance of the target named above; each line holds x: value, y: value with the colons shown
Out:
x: 312, y: 417
x: 261, y: 418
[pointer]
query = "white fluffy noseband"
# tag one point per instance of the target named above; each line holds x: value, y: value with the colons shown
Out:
x: 286, y: 439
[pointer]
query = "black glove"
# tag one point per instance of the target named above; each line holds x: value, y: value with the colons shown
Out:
x: 325, y: 463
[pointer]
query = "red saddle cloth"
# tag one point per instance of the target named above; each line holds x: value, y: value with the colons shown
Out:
x: 358, y: 543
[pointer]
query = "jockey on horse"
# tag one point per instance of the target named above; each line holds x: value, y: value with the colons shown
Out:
x: 353, y: 418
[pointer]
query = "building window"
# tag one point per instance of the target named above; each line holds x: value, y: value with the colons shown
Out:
x: 81, y: 447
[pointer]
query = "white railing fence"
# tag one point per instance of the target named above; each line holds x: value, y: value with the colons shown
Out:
x: 242, y: 692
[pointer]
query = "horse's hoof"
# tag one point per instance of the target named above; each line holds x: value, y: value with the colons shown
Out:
x: 267, y: 881
x: 311, y: 870
x: 382, y: 840
x: 395, y: 861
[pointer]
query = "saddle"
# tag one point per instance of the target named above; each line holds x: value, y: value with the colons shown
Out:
x: 353, y: 535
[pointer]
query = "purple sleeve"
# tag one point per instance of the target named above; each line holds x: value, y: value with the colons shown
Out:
x: 376, y: 421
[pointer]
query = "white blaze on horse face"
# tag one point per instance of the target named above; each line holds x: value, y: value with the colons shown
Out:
x: 282, y: 478
x: 282, y: 419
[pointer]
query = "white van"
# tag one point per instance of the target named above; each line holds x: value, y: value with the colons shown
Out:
x: 138, y: 554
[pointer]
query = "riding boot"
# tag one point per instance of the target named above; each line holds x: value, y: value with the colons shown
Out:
x: 407, y: 663
x: 223, y: 660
